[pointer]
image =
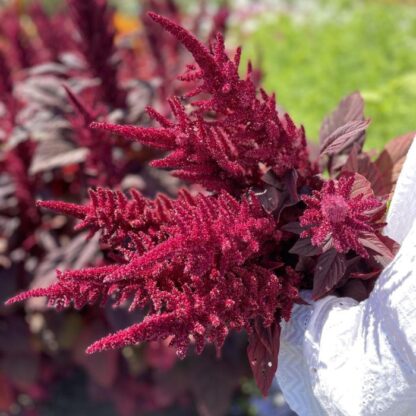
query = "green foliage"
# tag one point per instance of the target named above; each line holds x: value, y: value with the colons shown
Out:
x: 313, y: 59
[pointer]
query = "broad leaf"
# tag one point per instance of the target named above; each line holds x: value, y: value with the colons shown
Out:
x: 361, y: 186
x: 343, y: 137
x: 351, y: 165
x: 351, y: 108
x: 293, y: 227
x: 262, y: 352
x: 391, y: 159
x: 373, y: 242
x: 329, y: 271
x: 304, y: 247
x: 279, y: 193
x: 270, y: 198
x: 382, y: 248
x: 361, y: 163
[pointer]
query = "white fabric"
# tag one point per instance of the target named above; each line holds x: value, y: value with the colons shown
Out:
x: 403, y: 205
x: 339, y: 357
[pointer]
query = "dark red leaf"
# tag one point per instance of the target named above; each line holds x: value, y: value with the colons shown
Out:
x: 329, y: 270
x: 374, y: 243
x: 304, y: 247
x: 343, y: 137
x: 354, y: 289
x: 365, y: 276
x: 290, y: 181
x: 270, y: 178
x: 369, y: 169
x: 382, y: 248
x: 293, y: 227
x: 390, y: 161
x: 262, y: 352
x: 280, y: 193
x: 351, y: 164
x: 361, y: 163
x: 351, y: 108
x: 361, y: 186
x: 392, y: 245
x: 270, y: 198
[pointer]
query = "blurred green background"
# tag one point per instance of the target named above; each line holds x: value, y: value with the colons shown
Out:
x: 314, y: 52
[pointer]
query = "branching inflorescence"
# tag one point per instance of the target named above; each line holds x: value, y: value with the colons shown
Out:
x: 200, y: 265
x: 231, y: 134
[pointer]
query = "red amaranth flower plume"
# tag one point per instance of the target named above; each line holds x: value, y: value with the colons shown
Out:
x: 50, y: 29
x: 226, y: 141
x: 20, y: 52
x: 202, y: 266
x: 93, y: 20
x: 339, y: 216
x: 100, y: 163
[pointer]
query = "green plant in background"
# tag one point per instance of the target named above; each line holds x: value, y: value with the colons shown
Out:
x: 313, y: 57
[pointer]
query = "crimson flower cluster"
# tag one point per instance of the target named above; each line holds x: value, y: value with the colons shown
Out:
x: 337, y: 216
x: 231, y: 134
x: 200, y: 265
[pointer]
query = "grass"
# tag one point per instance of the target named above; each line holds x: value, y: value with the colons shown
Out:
x: 313, y: 60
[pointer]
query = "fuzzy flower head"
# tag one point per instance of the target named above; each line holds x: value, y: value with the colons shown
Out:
x: 232, y: 130
x: 340, y: 214
x: 200, y: 266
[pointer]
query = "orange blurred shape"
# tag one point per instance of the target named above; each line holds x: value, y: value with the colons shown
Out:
x: 125, y: 25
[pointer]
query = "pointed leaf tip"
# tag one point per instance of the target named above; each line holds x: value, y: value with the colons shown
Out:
x: 262, y: 353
